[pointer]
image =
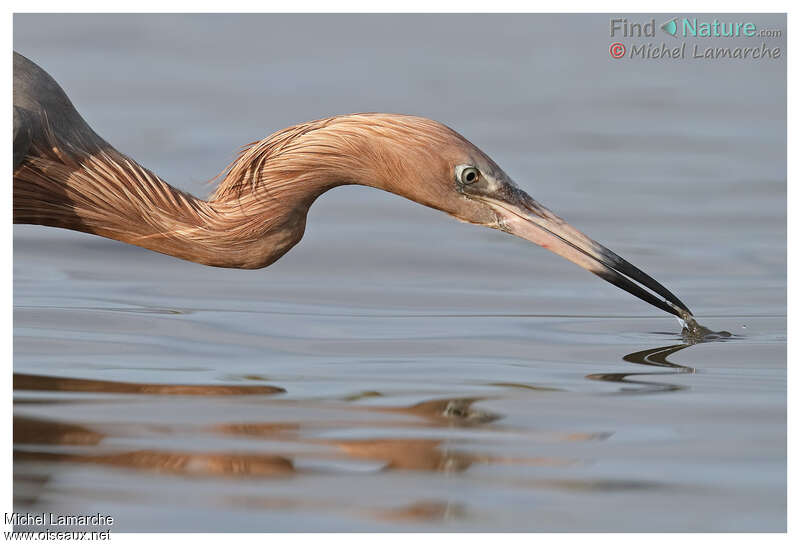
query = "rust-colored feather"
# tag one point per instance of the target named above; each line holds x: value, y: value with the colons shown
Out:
x: 257, y: 212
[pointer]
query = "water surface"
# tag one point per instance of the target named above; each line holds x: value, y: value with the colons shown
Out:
x: 398, y: 370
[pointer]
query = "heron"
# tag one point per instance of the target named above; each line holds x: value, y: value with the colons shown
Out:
x: 66, y: 176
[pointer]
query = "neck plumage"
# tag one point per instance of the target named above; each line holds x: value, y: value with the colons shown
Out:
x: 258, y: 212
x: 243, y: 225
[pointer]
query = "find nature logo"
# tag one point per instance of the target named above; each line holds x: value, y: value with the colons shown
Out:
x: 692, y: 28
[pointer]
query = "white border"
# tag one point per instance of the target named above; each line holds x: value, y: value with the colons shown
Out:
x: 764, y: 6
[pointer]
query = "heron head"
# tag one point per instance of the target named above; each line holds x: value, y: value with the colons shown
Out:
x: 432, y: 164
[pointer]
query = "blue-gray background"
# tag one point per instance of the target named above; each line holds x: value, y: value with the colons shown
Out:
x: 680, y: 166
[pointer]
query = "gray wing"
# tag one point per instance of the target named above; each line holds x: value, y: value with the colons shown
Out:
x: 38, y: 99
x: 22, y: 135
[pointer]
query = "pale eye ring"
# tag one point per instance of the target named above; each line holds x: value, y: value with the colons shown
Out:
x: 468, y: 175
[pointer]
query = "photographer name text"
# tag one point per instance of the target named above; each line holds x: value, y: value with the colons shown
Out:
x: 58, y: 520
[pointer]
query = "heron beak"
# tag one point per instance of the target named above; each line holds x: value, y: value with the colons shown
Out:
x: 520, y: 215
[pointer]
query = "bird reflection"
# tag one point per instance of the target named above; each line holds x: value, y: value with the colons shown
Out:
x: 648, y: 357
x: 425, y: 454
x: 423, y: 511
x: 430, y: 455
x: 175, y: 462
x: 658, y: 357
x: 30, y: 382
x: 28, y: 430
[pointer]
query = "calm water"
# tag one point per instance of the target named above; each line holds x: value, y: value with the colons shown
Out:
x: 398, y: 370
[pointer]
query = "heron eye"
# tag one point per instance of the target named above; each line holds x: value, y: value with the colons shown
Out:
x: 470, y: 175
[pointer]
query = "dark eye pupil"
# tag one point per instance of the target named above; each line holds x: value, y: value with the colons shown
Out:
x: 470, y: 176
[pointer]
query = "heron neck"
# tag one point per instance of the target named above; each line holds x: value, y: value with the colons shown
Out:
x: 108, y: 194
